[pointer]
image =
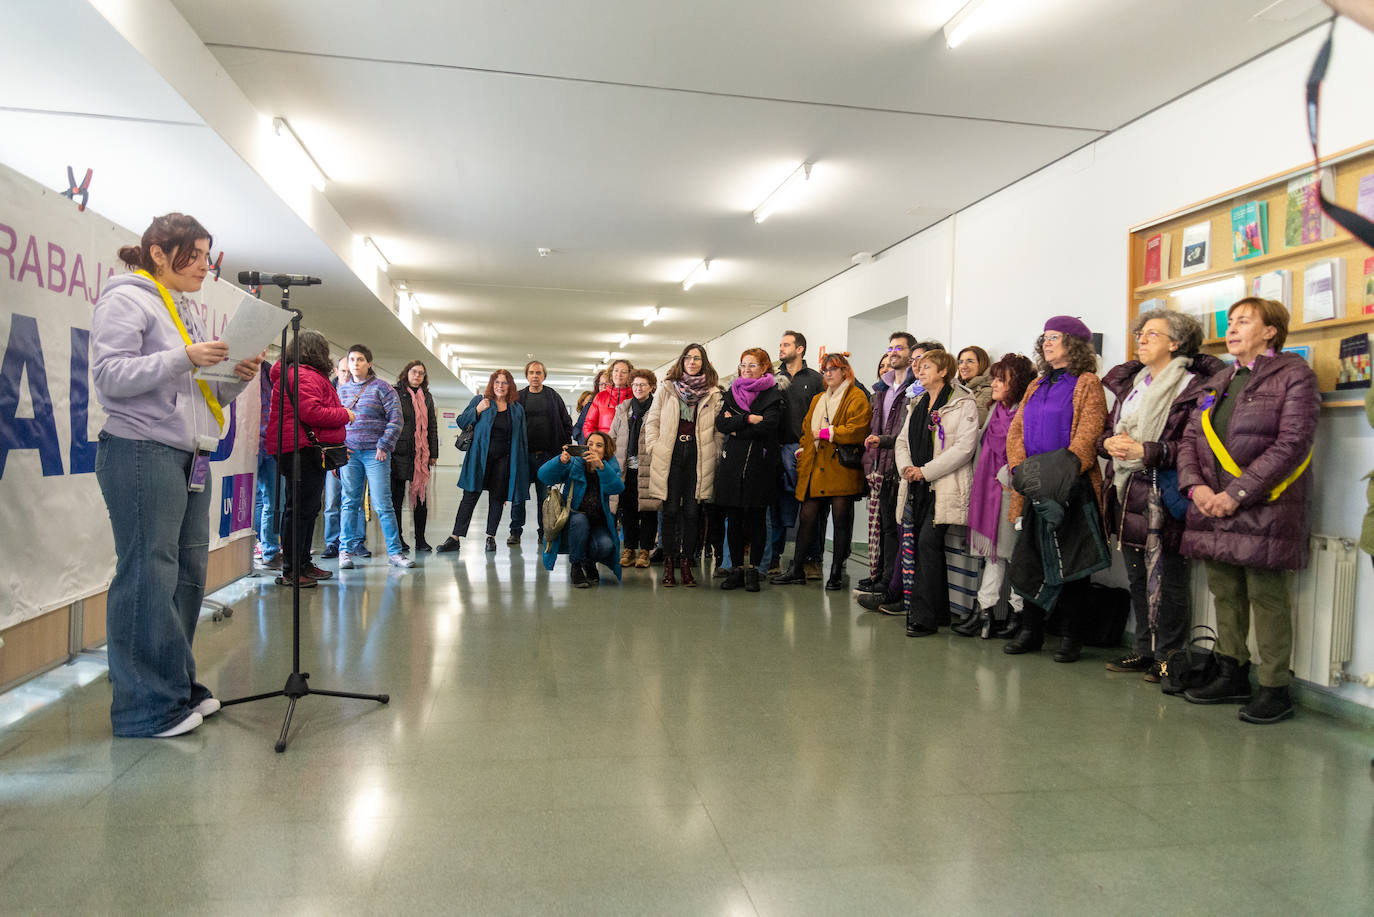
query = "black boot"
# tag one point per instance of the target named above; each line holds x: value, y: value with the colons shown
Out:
x: 1272, y: 705
x: 1008, y: 628
x: 1032, y: 634
x: 795, y: 575
x: 751, y: 579
x: 734, y: 579
x: 421, y: 517
x: 836, y: 580
x: 1230, y: 686
x: 971, y: 625
x: 1070, y: 644
x: 579, y: 576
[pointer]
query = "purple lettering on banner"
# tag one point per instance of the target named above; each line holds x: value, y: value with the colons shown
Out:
x: 31, y: 264
x: 9, y: 251
x: 243, y: 502
x: 57, y: 266
x: 78, y: 277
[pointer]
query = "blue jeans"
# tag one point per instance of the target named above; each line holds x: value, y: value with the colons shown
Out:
x: 783, y: 515
x: 363, y: 466
x: 162, y: 546
x: 541, y: 490
x: 332, y: 488
x: 269, y: 491
x: 586, y: 545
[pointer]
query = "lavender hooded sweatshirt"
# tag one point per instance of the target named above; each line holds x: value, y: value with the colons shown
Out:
x: 141, y: 372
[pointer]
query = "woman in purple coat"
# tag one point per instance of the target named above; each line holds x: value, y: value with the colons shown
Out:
x: 1243, y: 464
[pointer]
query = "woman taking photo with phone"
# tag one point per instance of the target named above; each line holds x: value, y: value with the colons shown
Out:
x: 591, y: 478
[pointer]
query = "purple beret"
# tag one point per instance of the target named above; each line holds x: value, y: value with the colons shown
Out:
x: 1067, y: 324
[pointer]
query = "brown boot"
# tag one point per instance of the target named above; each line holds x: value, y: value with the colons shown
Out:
x: 641, y: 559
x: 669, y: 571
x: 627, y: 556
x: 685, y: 568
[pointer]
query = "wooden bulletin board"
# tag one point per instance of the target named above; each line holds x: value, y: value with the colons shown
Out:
x: 1322, y: 337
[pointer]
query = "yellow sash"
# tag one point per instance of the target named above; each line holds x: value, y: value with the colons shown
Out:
x: 1219, y: 450
x: 210, y: 398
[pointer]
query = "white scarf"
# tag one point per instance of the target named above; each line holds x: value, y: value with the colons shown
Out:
x: 1146, y: 423
x: 829, y: 405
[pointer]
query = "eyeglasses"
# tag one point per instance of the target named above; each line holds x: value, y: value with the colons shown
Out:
x: 749, y: 367
x: 1052, y: 337
x: 1150, y: 335
x: 898, y: 349
x: 832, y: 368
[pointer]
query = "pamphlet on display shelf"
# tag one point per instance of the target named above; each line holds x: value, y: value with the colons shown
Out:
x: 1323, y: 290
x: 1275, y: 285
x: 1305, y: 221
x: 1249, y: 230
x: 1355, y: 367
x: 253, y: 326
x: 1368, y: 286
x: 1196, y: 242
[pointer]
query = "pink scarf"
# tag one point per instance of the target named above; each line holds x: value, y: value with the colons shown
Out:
x: 419, y: 478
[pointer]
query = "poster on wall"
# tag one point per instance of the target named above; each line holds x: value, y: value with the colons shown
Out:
x: 54, y: 261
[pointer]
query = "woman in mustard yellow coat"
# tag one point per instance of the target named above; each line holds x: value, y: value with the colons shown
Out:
x: 835, y: 427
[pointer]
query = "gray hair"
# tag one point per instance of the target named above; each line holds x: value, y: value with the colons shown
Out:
x: 1184, y: 330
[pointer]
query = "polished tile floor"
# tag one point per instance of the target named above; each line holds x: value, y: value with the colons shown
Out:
x: 638, y: 750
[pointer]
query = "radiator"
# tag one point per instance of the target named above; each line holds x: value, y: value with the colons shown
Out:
x: 1323, y: 603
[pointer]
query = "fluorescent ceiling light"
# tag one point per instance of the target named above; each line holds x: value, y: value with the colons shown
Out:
x: 963, y: 23
x: 625, y: 341
x: 651, y: 317
x: 282, y: 129
x: 383, y: 264
x: 783, y: 192
x: 697, y: 273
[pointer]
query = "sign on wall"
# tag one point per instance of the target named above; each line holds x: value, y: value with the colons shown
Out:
x: 58, y: 548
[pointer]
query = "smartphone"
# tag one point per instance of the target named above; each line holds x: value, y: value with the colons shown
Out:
x: 577, y: 450
x: 200, y: 465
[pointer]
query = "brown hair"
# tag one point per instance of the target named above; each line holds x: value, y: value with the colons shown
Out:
x: 927, y: 346
x: 707, y: 369
x: 490, y: 393
x: 175, y: 234
x: 839, y: 360
x: 647, y: 375
x: 403, y: 380
x: 980, y: 355
x: 798, y: 339
x: 629, y: 367
x: 535, y: 363
x: 758, y: 353
x: 582, y: 400
x: 314, y: 351
x: 597, y: 380
x: 1016, y: 371
x: 1082, y: 359
x: 944, y: 362
x: 607, y: 441
x: 1270, y: 312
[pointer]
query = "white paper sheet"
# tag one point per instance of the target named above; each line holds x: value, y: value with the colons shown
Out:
x: 253, y: 326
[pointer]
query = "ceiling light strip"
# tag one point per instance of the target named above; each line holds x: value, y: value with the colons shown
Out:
x: 783, y: 192
x: 283, y: 129
x: 964, y: 23
x: 696, y: 275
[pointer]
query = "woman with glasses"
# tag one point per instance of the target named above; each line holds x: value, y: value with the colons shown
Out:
x: 838, y: 417
x: 973, y: 375
x: 1061, y: 416
x: 638, y: 517
x: 683, y: 446
x: 498, y: 460
x: 1155, y: 395
x: 746, y: 482
x: 584, y: 405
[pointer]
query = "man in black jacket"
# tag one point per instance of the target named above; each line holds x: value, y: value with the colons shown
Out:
x: 800, y: 384
x: 889, y: 408
x: 548, y: 426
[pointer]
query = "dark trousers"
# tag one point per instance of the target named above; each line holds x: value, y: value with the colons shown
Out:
x: 811, y: 520
x: 1068, y: 609
x: 1175, y: 611
x: 681, y: 511
x: 747, y: 525
x: 588, y: 543
x: 296, y: 539
x: 891, y: 544
x: 930, y: 595
x: 640, y: 528
x: 495, y: 506
x: 541, y: 490
x: 715, y: 529
x: 398, y: 503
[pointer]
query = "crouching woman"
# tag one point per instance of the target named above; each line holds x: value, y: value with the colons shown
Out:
x: 589, y: 538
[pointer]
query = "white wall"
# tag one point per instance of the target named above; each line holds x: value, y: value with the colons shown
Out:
x: 1057, y: 242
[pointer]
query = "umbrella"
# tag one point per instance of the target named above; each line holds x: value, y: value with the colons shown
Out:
x: 875, y: 525
x: 1154, y: 552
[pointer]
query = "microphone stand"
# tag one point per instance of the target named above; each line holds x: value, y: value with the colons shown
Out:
x: 297, y: 683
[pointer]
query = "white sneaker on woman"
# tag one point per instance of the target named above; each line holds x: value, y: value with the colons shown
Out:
x: 345, y: 560
x: 207, y: 708
x: 192, y: 720
x: 400, y: 560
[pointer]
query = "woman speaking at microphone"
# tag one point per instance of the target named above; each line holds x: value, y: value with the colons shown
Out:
x: 153, y: 467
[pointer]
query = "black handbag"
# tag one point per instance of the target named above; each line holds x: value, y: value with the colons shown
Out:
x: 849, y: 455
x: 465, y: 437
x: 332, y: 457
x: 1192, y: 666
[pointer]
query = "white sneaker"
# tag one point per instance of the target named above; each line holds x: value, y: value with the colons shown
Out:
x: 207, y: 708
x: 193, y: 719
x: 400, y: 560
x: 345, y: 560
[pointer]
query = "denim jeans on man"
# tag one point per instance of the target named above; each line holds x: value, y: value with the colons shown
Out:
x: 333, y: 487
x: 586, y: 545
x: 268, y: 494
x: 363, y: 467
x: 541, y: 490
x: 783, y: 515
x: 162, y: 546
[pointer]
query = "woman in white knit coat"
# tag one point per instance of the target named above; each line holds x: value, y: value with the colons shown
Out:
x: 683, y: 446
x: 934, y: 450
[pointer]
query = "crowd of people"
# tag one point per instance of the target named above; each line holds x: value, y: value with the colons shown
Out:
x: 1017, y: 465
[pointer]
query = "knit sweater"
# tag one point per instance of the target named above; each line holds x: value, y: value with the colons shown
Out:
x: 379, y: 421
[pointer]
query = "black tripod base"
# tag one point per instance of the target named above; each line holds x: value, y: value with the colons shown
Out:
x: 298, y: 686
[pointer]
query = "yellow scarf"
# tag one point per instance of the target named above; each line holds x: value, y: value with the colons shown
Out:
x: 210, y: 398
x: 1229, y: 463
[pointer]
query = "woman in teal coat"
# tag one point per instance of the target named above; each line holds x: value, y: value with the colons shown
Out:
x: 498, y: 460
x: 589, y: 482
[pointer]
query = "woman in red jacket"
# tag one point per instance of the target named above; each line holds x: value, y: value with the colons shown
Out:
x: 322, y: 413
x: 601, y: 414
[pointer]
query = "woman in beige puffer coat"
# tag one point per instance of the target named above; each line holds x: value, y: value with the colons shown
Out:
x: 683, y: 447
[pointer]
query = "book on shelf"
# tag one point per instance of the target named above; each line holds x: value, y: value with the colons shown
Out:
x: 1275, y: 285
x: 1368, y: 308
x: 1302, y: 350
x: 1355, y: 366
x: 1249, y: 230
x: 1197, y: 243
x: 1157, y: 251
x: 1150, y: 305
x: 1323, y: 290
x: 1304, y: 221
x: 1365, y: 204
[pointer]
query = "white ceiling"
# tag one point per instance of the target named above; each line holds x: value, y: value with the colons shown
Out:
x: 634, y: 139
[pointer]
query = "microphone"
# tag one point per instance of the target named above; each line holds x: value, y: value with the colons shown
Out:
x: 263, y: 278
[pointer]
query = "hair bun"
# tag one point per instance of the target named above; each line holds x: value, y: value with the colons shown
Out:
x: 131, y: 255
